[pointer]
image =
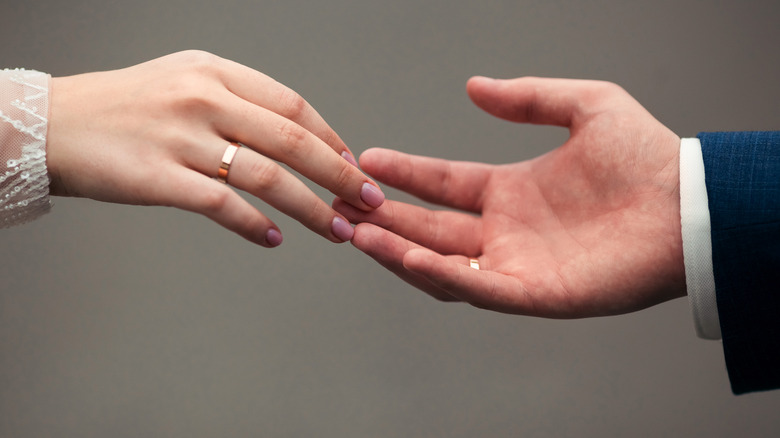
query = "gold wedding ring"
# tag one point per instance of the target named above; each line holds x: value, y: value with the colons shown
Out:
x: 474, y: 263
x: 227, y: 159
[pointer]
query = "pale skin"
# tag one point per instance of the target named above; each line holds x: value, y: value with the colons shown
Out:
x: 591, y: 228
x: 155, y: 134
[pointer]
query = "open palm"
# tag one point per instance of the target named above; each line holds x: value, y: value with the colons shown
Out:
x: 590, y: 228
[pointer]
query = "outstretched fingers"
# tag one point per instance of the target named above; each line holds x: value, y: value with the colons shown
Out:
x: 269, y: 181
x: 445, y: 232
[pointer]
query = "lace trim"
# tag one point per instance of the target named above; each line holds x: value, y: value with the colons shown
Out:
x: 24, y: 184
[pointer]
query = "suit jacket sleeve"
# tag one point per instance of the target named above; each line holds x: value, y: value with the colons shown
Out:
x: 742, y: 173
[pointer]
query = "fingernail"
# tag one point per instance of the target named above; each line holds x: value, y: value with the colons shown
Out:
x: 342, y: 229
x: 347, y: 156
x: 372, y: 195
x: 273, y: 237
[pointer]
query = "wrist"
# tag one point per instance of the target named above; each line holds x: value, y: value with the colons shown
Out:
x: 54, y: 146
x: 675, y: 287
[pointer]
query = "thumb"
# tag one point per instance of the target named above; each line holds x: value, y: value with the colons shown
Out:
x: 541, y: 101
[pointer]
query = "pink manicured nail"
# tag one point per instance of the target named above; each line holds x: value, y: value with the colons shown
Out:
x: 342, y: 229
x: 273, y: 237
x: 347, y: 156
x: 372, y: 195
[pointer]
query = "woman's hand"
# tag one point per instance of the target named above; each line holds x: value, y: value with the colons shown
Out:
x: 591, y: 228
x: 155, y: 134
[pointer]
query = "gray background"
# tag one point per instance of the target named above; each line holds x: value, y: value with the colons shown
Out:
x: 123, y: 321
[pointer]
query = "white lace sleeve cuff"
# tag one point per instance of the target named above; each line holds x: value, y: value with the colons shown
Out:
x: 697, y: 241
x: 24, y: 180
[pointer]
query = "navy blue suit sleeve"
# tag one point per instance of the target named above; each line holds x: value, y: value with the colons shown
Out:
x: 742, y: 173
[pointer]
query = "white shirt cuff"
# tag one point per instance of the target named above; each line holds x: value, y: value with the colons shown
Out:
x: 697, y: 240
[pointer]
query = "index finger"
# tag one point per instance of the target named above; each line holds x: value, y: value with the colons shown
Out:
x: 262, y: 90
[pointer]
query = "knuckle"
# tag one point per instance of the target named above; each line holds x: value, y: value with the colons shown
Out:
x: 214, y: 201
x: 432, y: 230
x: 198, y: 60
x: 263, y: 175
x: 293, y: 139
x: 192, y: 95
x: 606, y: 88
x: 343, y: 177
x: 197, y: 83
x: 532, y: 105
x: 601, y: 96
x: 195, y: 104
x: 292, y: 105
x: 390, y: 221
x: 330, y: 138
x: 448, y: 191
x: 611, y: 86
x: 314, y: 217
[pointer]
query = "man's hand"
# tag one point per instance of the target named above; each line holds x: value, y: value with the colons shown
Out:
x: 591, y: 228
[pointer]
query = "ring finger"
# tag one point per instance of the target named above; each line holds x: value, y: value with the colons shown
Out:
x: 267, y: 180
